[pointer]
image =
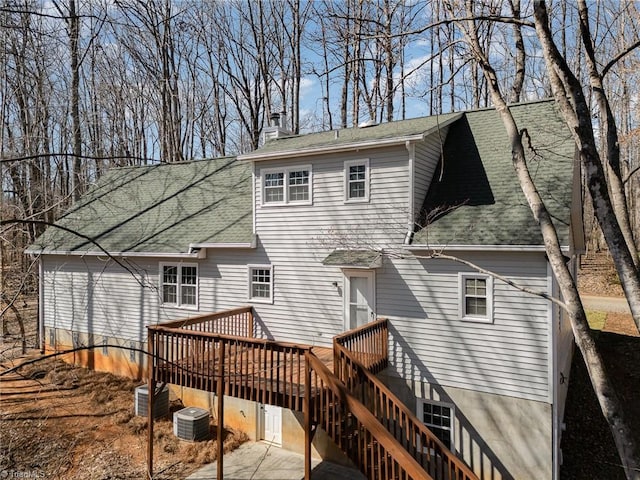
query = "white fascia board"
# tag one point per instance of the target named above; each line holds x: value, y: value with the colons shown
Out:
x: 380, y: 142
x: 481, y: 248
x: 195, y: 246
x: 100, y: 253
x: 305, y: 152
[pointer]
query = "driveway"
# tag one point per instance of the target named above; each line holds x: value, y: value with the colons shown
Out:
x: 605, y: 304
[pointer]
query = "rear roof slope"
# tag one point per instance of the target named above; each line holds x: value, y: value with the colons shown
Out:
x: 475, y: 197
x: 158, y: 209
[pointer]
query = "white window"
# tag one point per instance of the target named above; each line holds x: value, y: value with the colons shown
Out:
x: 356, y: 181
x: 286, y: 186
x: 261, y: 283
x: 274, y: 187
x: 476, y: 297
x: 439, y: 418
x: 179, y: 284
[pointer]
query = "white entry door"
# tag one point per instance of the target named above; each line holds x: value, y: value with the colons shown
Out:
x: 272, y: 424
x: 359, y: 301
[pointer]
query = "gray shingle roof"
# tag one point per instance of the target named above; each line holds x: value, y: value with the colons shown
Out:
x: 353, y: 258
x: 159, y: 209
x: 340, y: 139
x: 479, y: 200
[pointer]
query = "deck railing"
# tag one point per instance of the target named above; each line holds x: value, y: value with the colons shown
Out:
x: 360, y: 381
x: 367, y: 421
x: 354, y: 429
x: 253, y: 369
x: 237, y: 322
x: 369, y: 344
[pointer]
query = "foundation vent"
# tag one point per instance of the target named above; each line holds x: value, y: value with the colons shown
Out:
x: 191, y: 423
x: 161, y: 407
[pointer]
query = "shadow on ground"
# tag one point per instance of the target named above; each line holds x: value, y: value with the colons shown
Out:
x: 587, y: 444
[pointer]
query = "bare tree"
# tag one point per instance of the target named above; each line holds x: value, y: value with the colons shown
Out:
x: 605, y: 391
x: 568, y: 92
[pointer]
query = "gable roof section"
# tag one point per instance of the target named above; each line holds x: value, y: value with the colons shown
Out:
x: 390, y: 133
x: 159, y: 209
x: 479, y: 201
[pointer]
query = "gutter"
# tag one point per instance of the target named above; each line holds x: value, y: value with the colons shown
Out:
x: 41, y: 332
x: 197, y: 247
x: 100, y: 253
x: 304, y: 152
x: 411, y: 149
x: 196, y: 250
x: 481, y: 248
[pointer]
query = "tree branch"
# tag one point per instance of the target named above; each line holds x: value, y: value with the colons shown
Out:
x: 620, y: 56
x: 14, y: 221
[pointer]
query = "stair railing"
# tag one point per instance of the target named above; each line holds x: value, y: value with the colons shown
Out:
x: 353, y: 427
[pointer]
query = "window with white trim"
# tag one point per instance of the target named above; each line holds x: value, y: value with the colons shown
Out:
x: 439, y: 418
x: 179, y: 284
x: 356, y: 181
x: 261, y: 283
x: 476, y: 297
x: 286, y: 186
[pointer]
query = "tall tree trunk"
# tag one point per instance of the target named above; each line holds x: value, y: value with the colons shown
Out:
x: 520, y: 64
x: 602, y: 386
x: 74, y: 33
x: 569, y: 96
x: 610, y: 135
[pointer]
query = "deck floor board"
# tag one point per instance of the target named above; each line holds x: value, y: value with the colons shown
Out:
x: 266, y: 376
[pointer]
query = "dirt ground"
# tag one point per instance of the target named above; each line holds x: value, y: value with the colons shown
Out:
x: 65, y: 422
x: 587, y: 445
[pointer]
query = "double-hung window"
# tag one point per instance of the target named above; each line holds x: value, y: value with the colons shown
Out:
x: 261, y: 283
x: 274, y: 187
x: 284, y: 186
x: 356, y: 181
x: 439, y: 418
x: 476, y: 297
x: 179, y: 284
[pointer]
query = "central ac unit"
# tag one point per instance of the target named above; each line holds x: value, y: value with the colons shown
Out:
x: 191, y: 423
x: 161, y: 402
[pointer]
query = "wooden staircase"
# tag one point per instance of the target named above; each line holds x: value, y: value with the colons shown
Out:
x: 382, y: 437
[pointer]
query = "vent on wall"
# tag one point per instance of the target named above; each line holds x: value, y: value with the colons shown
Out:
x: 191, y: 423
x: 161, y: 404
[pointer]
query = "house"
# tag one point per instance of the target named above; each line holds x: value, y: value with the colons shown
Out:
x: 324, y: 232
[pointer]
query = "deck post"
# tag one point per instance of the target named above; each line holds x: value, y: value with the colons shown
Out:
x: 151, y: 385
x: 307, y: 417
x: 250, y: 332
x: 220, y: 428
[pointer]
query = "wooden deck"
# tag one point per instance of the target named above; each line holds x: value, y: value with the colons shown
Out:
x: 205, y: 351
x: 336, y: 388
x: 273, y: 376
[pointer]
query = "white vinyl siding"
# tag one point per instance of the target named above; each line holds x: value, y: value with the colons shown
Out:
x: 427, y: 155
x: 429, y: 342
x: 94, y: 295
x: 307, y: 306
